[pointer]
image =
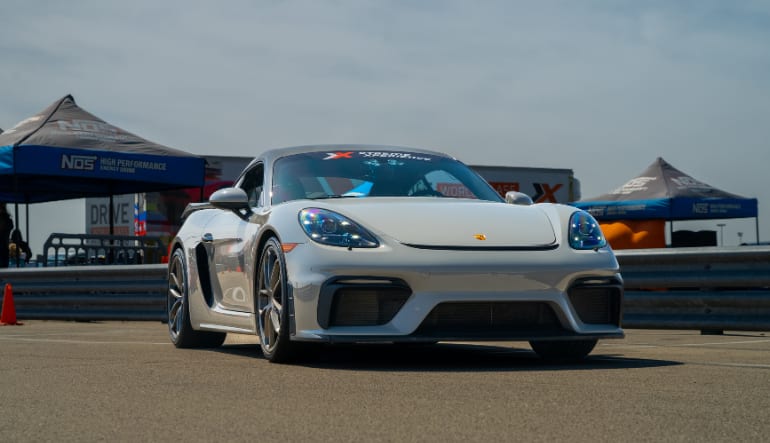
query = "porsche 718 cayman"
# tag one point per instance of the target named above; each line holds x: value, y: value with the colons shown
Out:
x: 357, y: 243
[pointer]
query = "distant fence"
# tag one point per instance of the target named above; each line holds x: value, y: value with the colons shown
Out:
x: 87, y: 249
x: 707, y: 289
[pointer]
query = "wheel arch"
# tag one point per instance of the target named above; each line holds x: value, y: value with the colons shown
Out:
x: 264, y: 236
x: 192, y: 264
x: 267, y: 233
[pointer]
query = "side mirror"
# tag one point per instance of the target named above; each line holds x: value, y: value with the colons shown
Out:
x: 230, y: 198
x: 517, y: 198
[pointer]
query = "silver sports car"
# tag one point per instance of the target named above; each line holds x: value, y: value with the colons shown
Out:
x: 358, y: 243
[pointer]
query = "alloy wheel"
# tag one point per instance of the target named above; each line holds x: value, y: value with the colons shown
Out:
x: 176, y: 291
x: 269, y: 298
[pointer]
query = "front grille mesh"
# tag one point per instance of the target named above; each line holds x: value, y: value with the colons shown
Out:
x: 366, y: 307
x: 596, y: 305
x: 459, y: 319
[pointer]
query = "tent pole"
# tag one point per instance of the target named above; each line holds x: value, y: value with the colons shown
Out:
x: 671, y: 233
x: 756, y: 220
x: 111, y: 255
x: 16, y: 216
x: 112, y: 216
x: 26, y: 221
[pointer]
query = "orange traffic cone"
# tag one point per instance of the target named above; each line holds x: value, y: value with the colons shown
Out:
x: 8, y: 315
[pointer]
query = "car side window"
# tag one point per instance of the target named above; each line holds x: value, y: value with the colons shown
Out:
x: 252, y: 183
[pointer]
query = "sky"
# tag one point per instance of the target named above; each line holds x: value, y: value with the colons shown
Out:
x: 599, y: 87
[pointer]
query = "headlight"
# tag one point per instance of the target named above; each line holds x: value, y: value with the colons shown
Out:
x: 584, y: 232
x: 329, y: 228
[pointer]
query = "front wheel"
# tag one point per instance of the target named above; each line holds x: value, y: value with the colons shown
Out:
x: 180, y: 330
x: 273, y: 306
x: 563, y: 350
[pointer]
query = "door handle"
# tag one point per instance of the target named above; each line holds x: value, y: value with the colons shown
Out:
x: 207, y: 238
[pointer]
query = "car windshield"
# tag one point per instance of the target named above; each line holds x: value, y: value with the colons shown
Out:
x: 319, y: 175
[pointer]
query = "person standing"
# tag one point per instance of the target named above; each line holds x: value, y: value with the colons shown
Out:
x: 19, y: 250
x: 6, y: 226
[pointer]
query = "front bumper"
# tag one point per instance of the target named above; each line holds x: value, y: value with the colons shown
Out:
x: 411, y: 295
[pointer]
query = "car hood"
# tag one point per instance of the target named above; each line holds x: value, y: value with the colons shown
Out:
x: 434, y: 222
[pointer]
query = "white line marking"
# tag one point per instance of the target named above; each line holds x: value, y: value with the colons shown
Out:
x: 82, y: 342
x: 59, y: 334
x: 726, y: 343
x: 626, y: 345
x: 647, y: 345
x: 735, y: 365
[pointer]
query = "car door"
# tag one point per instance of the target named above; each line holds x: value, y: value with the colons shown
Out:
x: 229, y: 238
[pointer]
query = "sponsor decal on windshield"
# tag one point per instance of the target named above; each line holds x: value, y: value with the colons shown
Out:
x: 378, y: 154
x: 398, y: 155
x: 338, y: 155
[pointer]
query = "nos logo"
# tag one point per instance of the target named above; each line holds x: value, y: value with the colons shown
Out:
x: 78, y: 162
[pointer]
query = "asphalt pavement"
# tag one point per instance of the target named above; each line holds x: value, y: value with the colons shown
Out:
x: 124, y: 381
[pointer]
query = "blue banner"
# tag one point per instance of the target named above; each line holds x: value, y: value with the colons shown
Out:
x: 671, y: 209
x: 82, y: 163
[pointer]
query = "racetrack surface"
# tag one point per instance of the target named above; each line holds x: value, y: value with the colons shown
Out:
x: 124, y: 381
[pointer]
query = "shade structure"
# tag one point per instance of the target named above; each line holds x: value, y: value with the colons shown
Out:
x: 65, y: 152
x: 664, y: 192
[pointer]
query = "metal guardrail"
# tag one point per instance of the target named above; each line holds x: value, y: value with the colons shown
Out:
x: 707, y: 289
x: 120, y: 292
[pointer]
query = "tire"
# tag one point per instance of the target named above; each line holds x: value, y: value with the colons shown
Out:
x: 180, y: 330
x: 563, y: 350
x: 272, y: 306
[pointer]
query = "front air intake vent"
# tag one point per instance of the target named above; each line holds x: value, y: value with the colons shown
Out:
x: 597, y: 303
x: 361, y: 301
x: 488, y: 319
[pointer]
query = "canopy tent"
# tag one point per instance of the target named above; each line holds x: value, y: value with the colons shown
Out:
x: 64, y: 152
x: 664, y: 192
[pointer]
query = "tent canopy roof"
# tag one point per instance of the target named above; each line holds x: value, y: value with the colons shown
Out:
x: 664, y: 192
x: 65, y: 152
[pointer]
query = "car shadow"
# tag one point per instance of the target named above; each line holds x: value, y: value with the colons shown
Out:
x: 448, y: 357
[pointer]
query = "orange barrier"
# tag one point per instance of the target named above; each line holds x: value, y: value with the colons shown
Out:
x: 635, y: 234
